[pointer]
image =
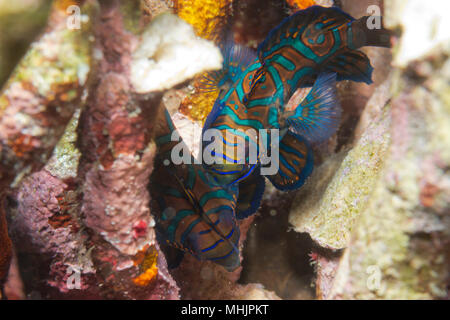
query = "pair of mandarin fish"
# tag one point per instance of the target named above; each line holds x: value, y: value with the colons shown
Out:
x: 197, y: 206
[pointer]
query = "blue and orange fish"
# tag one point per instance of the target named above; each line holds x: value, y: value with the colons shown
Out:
x: 317, y: 46
x: 192, y: 213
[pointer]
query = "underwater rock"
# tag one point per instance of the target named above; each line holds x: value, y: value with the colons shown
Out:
x: 41, y: 95
x: 430, y: 32
x: 152, y: 8
x: 189, y: 130
x: 117, y: 151
x: 206, y: 16
x: 170, y: 53
x: 399, y: 248
x: 46, y: 223
x: 63, y: 163
x: 208, y: 281
x: 325, y: 267
x: 40, y: 213
x: 328, y: 205
x: 46, y: 226
x: 396, y: 241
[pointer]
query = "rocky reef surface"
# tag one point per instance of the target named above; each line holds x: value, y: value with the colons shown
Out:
x: 382, y: 202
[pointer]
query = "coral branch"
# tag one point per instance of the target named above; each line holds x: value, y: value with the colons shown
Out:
x: 41, y: 96
x: 117, y: 155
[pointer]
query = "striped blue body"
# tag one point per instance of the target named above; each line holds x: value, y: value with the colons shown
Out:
x: 192, y: 212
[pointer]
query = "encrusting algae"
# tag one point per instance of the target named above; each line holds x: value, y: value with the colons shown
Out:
x: 205, y: 16
x: 300, y: 4
x: 146, y: 259
x: 208, y: 18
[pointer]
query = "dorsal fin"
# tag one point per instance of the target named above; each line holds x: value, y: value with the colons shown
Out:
x: 236, y: 58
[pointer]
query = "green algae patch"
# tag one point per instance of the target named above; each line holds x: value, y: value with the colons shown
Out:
x: 61, y: 57
x: 404, y: 230
x: 20, y: 23
x: 64, y: 161
x: 328, y: 206
x: 131, y: 11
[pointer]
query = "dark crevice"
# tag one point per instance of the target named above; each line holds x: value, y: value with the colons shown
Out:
x: 277, y: 257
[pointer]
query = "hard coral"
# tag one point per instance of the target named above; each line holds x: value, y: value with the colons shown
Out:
x: 148, y: 264
x: 207, y: 16
x: 115, y: 139
x: 41, y: 95
x: 300, y: 4
x: 45, y: 223
x: 170, y: 53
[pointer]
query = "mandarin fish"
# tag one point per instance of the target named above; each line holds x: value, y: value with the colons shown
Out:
x: 192, y: 213
x: 317, y: 46
x: 240, y: 63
